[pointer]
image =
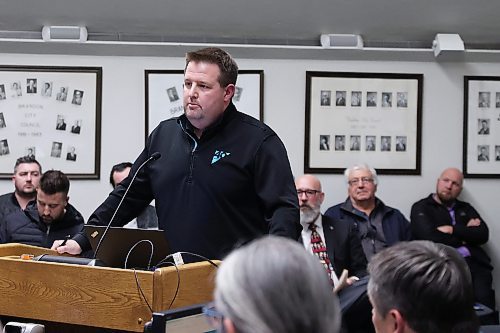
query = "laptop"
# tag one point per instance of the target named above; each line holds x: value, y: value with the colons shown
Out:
x: 119, y: 242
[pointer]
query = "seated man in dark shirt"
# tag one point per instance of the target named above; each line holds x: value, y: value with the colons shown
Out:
x: 442, y: 218
x: 379, y: 226
x: 45, y: 219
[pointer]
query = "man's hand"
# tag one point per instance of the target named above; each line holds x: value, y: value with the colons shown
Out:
x: 447, y: 229
x: 474, y: 222
x: 350, y: 280
x: 70, y: 247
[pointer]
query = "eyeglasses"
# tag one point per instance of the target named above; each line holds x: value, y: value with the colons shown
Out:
x: 213, y: 316
x: 308, y: 193
x: 363, y: 180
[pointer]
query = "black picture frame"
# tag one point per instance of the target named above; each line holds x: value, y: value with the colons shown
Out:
x: 353, y: 117
x: 481, y: 131
x: 54, y: 114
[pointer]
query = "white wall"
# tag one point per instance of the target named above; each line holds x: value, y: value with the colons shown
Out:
x: 123, y: 125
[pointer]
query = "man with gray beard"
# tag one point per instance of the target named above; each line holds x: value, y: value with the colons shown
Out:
x: 342, y: 242
x: 338, y: 247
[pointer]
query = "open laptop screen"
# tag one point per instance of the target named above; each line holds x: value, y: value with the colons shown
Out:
x: 136, y: 243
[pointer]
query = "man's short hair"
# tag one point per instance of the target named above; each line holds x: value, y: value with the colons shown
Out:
x: 227, y: 65
x: 54, y: 181
x: 27, y: 160
x: 361, y: 166
x: 428, y: 283
x: 118, y: 168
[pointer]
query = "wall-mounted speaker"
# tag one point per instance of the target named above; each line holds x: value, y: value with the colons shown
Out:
x: 447, y: 42
x: 64, y: 34
x: 341, y: 41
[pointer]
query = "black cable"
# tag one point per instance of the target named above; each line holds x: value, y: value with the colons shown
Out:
x: 164, y: 261
x: 189, y: 253
x: 133, y: 247
x: 140, y: 290
x: 178, y: 282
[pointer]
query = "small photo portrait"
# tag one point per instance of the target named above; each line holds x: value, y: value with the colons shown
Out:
x: 2, y: 121
x: 62, y: 94
x: 401, y: 143
x: 497, y: 153
x: 483, y: 153
x: 16, y: 89
x: 76, y: 127
x: 371, y: 98
x: 4, y: 147
x: 56, y: 149
x: 386, y: 99
x: 30, y: 152
x: 172, y: 94
x: 47, y: 89
x: 497, y: 100
x: 61, y: 124
x: 483, y: 126
x: 31, y: 86
x: 484, y: 99
x: 77, y: 97
x: 385, y: 143
x: 370, y: 144
x: 355, y: 143
x: 402, y: 99
x: 2, y: 92
x: 237, y: 93
x: 324, y: 142
x: 326, y: 98
x: 71, y: 154
x: 340, y: 142
x: 340, y: 98
x: 355, y: 98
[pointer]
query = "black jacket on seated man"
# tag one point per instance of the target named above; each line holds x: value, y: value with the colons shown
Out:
x: 26, y: 227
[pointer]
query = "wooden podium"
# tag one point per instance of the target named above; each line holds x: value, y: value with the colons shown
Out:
x: 98, y: 297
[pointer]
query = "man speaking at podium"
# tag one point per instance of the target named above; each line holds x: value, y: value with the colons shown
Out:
x: 223, y: 177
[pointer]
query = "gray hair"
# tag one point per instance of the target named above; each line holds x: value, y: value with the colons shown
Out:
x: 428, y: 283
x: 361, y: 166
x: 273, y: 285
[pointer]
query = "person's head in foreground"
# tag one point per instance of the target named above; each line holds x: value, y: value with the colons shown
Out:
x: 273, y: 285
x: 421, y: 287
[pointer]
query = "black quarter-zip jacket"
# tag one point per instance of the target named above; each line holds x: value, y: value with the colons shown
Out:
x: 213, y: 193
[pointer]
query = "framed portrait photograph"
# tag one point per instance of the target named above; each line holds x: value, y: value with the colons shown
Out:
x: 373, y: 118
x: 481, y: 146
x: 165, y: 89
x: 54, y: 115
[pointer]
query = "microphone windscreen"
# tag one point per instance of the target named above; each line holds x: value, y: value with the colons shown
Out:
x: 156, y: 155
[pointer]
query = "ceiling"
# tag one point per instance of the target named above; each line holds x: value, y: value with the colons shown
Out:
x: 146, y: 27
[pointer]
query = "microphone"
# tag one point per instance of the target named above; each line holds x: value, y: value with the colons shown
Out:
x: 154, y: 156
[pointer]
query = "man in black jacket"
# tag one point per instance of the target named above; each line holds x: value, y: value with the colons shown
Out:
x: 442, y: 218
x: 48, y: 218
x: 223, y: 178
x: 27, y: 173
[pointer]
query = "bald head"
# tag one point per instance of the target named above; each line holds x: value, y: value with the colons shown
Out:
x: 449, y: 185
x: 308, y: 181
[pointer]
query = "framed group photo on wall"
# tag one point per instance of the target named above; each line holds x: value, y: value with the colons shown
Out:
x: 164, y: 93
x: 481, y: 147
x: 52, y: 114
x: 372, y: 118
